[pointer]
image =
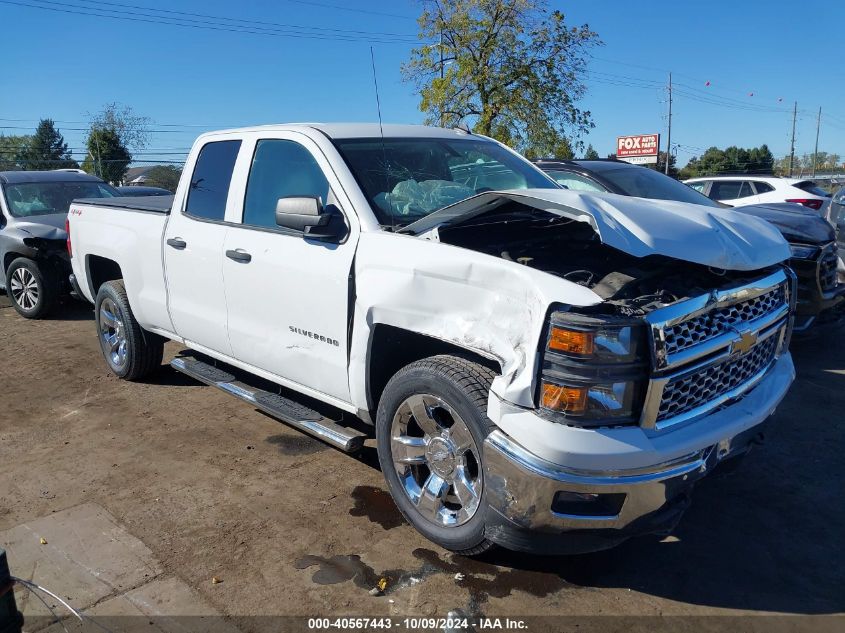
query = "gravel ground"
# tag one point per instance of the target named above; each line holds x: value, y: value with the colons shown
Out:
x: 214, y: 488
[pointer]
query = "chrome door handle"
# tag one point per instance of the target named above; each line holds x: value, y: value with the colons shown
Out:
x: 177, y: 242
x: 239, y: 256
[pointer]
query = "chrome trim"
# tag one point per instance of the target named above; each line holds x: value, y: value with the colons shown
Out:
x: 657, y: 385
x: 719, y: 349
x: 329, y: 431
x: 829, y: 293
x: 521, y: 486
x: 687, y: 309
x: 517, y: 454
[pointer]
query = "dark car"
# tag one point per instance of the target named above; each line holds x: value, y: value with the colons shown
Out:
x: 811, y: 237
x: 138, y: 191
x: 33, y: 213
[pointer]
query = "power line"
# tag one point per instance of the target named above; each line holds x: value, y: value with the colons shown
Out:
x: 355, y: 10
x: 197, y: 24
x: 260, y: 23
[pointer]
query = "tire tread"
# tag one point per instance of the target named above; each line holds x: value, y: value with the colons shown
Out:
x: 147, y: 349
x: 471, y: 378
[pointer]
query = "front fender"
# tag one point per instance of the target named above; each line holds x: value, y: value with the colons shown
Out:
x: 475, y: 301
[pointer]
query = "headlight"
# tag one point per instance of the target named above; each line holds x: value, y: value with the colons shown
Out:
x: 595, y: 402
x: 803, y: 252
x: 594, y: 369
x: 610, y: 344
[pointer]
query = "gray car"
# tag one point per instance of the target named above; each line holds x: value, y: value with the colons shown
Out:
x: 33, y: 250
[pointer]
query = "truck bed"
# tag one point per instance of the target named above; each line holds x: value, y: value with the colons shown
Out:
x: 147, y: 204
x: 127, y: 231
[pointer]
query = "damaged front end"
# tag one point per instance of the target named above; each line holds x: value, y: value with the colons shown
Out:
x: 653, y: 346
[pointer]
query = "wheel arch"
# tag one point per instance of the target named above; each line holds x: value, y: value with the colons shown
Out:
x: 99, y: 270
x: 392, y: 348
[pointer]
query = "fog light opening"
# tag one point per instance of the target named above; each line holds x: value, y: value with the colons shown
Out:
x: 584, y: 504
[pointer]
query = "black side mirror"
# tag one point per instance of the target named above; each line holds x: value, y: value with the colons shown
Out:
x: 307, y: 214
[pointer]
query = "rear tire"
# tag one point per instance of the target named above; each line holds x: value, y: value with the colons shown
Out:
x: 130, y: 351
x: 33, y: 287
x: 430, y: 427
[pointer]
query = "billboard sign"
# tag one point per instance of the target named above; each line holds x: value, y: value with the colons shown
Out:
x: 638, y: 149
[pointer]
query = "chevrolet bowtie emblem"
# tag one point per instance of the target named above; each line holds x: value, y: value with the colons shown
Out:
x: 744, y: 343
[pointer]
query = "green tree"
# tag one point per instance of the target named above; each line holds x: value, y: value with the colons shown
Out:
x: 736, y: 160
x: 12, y: 148
x: 131, y: 129
x: 164, y: 176
x: 107, y: 157
x: 591, y: 154
x: 112, y: 134
x: 510, y: 68
x: 660, y: 165
x: 47, y: 149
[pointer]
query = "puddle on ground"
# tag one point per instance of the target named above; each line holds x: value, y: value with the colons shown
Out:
x: 483, y: 580
x: 337, y: 569
x: 377, y: 505
x: 296, y: 444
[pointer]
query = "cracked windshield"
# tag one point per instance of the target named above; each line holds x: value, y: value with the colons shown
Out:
x: 407, y: 179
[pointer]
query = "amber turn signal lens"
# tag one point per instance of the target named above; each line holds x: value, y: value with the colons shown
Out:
x: 572, y: 400
x: 571, y: 341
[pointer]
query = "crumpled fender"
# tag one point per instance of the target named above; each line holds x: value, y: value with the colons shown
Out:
x: 481, y: 303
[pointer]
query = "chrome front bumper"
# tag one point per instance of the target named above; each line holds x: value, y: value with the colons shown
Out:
x: 522, y: 489
x: 528, y: 496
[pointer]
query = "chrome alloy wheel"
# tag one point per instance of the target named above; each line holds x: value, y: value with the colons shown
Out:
x: 113, y: 333
x: 436, y: 459
x: 24, y: 288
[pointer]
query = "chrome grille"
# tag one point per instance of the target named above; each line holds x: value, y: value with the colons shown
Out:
x: 827, y: 270
x: 700, y: 388
x: 706, y: 326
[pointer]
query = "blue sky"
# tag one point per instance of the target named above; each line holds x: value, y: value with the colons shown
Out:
x: 62, y: 64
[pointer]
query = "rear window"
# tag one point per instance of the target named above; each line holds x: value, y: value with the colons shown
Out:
x: 211, y: 179
x: 810, y: 187
x: 762, y: 187
x: 726, y: 189
x: 47, y: 198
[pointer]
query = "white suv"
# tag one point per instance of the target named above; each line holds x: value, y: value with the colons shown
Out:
x: 741, y: 190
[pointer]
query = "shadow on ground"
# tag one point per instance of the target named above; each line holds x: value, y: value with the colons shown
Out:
x: 67, y: 309
x: 766, y: 537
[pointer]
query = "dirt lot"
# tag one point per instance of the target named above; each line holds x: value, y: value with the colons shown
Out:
x: 216, y: 489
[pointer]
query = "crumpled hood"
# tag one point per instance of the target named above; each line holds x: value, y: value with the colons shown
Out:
x: 796, y: 223
x: 48, y: 227
x: 721, y: 238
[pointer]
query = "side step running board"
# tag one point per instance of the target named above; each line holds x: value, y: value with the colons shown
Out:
x: 288, y: 411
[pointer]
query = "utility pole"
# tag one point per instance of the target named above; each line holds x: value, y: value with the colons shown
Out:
x: 816, y: 151
x: 669, y: 134
x: 792, y: 144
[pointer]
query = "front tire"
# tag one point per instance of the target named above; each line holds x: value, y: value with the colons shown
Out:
x: 32, y: 287
x: 130, y: 351
x: 430, y: 428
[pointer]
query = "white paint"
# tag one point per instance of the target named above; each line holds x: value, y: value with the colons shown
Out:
x: 242, y: 314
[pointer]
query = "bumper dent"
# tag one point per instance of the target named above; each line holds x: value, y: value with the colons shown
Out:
x: 521, y: 488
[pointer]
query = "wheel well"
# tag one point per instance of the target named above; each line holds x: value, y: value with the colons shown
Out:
x: 101, y: 270
x: 9, y: 258
x: 393, y: 348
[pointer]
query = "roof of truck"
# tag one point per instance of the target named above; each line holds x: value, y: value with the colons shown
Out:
x: 361, y: 130
x: 16, y: 177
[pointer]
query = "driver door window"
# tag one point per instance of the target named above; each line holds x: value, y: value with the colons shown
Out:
x: 280, y: 169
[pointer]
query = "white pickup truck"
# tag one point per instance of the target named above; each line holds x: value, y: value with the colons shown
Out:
x: 544, y: 369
